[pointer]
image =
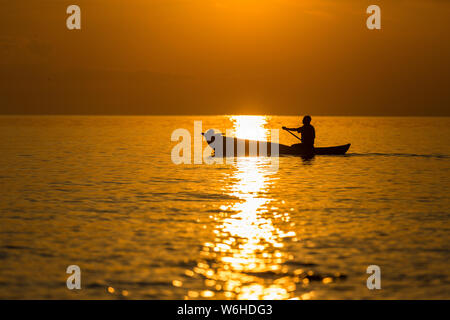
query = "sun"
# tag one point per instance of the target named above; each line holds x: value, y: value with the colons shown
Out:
x: 250, y: 127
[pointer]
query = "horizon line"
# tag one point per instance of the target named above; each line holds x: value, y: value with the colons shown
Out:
x: 210, y: 115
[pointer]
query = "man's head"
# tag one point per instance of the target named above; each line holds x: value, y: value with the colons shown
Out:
x: 306, y: 120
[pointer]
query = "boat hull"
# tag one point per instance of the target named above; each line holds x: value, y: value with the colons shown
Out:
x: 232, y: 147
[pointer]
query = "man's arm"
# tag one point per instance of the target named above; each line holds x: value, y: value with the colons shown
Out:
x: 293, y: 129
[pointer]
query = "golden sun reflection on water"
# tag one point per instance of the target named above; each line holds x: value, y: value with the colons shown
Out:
x: 250, y: 127
x: 246, y: 259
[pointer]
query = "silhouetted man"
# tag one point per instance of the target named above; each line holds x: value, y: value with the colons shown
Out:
x: 308, y: 134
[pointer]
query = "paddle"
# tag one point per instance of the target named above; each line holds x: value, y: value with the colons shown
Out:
x: 292, y: 134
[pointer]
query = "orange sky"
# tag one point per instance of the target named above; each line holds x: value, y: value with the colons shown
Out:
x: 225, y: 57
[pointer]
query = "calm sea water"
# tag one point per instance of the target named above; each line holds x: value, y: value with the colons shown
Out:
x: 102, y: 193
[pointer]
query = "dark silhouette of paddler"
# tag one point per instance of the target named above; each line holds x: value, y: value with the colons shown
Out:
x: 308, y: 134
